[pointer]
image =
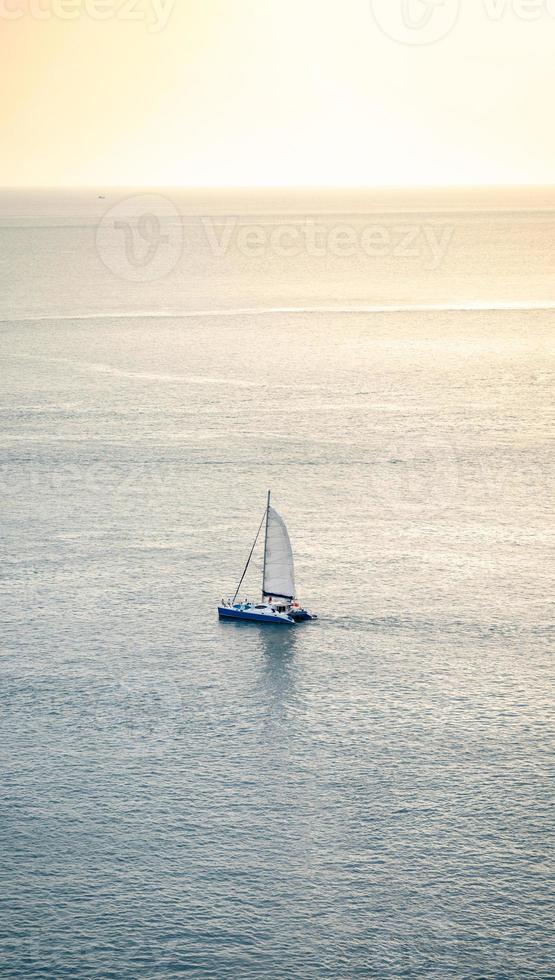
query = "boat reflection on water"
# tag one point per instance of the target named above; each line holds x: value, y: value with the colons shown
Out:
x: 278, y: 691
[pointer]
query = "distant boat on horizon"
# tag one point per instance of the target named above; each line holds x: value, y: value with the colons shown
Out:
x: 278, y: 603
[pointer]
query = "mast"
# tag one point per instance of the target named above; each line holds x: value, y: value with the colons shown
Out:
x: 264, y: 516
x: 266, y: 541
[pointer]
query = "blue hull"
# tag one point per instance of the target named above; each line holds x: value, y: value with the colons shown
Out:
x: 252, y: 617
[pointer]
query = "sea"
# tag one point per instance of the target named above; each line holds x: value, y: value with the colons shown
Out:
x: 366, y: 795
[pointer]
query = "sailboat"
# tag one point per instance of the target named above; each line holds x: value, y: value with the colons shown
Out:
x: 278, y: 603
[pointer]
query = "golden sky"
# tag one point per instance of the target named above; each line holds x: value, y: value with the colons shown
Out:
x: 276, y: 92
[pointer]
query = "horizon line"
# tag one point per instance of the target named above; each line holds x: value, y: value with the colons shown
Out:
x: 281, y: 187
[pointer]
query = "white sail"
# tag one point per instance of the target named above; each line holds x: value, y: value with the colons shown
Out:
x: 279, y: 567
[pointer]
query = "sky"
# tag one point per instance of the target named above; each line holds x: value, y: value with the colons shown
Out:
x: 276, y: 92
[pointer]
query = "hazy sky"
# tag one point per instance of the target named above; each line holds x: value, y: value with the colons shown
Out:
x: 277, y: 92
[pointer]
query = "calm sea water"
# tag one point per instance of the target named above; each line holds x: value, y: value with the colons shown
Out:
x: 368, y: 795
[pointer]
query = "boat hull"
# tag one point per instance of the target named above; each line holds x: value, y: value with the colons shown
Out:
x: 252, y: 616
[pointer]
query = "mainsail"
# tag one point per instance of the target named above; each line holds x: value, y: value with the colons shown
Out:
x: 279, y: 567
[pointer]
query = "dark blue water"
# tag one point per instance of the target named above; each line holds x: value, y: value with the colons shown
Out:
x: 368, y: 795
